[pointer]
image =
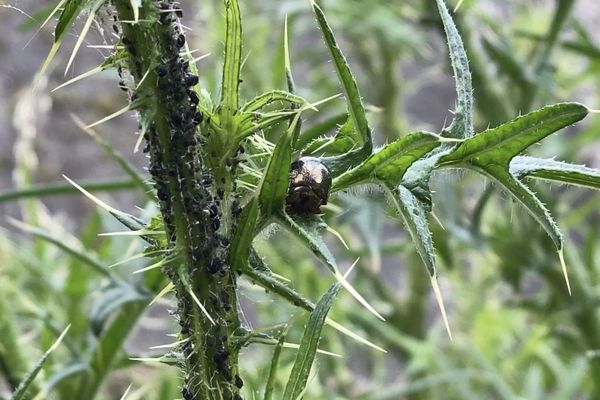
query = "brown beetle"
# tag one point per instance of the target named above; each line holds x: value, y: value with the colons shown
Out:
x: 310, y: 182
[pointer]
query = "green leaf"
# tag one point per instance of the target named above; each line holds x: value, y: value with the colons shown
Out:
x: 244, y: 234
x: 308, y: 345
x: 356, y: 109
x: 357, y: 121
x: 498, y: 145
x: 391, y: 162
x: 527, y: 198
x: 260, y: 273
x: 414, y: 215
x: 491, y: 151
x: 233, y: 57
x: 68, y: 247
x: 274, y: 185
x: 462, y: 125
x: 21, y: 390
x: 53, y: 189
x: 307, y: 229
x: 552, y: 170
x: 272, y: 96
x: 319, y: 129
x: 343, y: 142
x: 111, y: 300
x: 63, y: 374
x: 67, y: 16
x: 274, y: 366
x: 70, y: 11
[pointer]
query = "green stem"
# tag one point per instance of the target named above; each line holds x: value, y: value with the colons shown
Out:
x: 195, y: 200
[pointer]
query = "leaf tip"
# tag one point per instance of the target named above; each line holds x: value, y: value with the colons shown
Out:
x: 458, y: 5
x: 592, y: 111
x: 440, y: 301
x: 563, y: 265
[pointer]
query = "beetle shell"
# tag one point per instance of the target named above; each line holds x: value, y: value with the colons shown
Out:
x: 310, y: 182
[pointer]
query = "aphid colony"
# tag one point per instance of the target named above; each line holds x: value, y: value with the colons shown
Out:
x: 180, y: 179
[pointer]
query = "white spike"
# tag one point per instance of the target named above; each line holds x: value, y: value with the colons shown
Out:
x: 342, y: 280
x: 561, y: 256
x: 440, y: 301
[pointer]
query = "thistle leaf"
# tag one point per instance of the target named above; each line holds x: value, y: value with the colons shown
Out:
x: 261, y: 101
x: 308, y: 345
x: 555, y: 171
x: 356, y: 109
x: 233, y: 57
x: 275, y: 182
x: 499, y: 145
x: 391, y: 162
x: 462, y: 125
x: 244, y: 234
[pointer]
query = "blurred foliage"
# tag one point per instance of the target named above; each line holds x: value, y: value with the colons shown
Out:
x: 517, y: 332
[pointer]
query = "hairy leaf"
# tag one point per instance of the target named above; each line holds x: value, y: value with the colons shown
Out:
x: 275, y: 182
x: 498, y: 145
x: 357, y: 121
x: 414, y: 215
x: 462, y: 125
x: 356, y: 109
x: 307, y: 230
x: 553, y: 170
x: 391, y: 162
x: 319, y: 129
x: 272, y: 96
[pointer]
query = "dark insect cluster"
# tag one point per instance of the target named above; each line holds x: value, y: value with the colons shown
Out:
x: 310, y: 181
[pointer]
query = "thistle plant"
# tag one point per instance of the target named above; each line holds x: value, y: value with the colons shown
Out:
x: 220, y: 170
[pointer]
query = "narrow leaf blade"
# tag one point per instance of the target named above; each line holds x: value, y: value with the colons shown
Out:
x: 275, y: 182
x: 21, y: 390
x: 261, y: 101
x: 557, y: 171
x: 527, y: 199
x: 462, y: 125
x: 308, y: 345
x: 233, y: 57
x: 355, y: 106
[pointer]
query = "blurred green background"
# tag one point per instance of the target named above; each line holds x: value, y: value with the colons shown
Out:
x: 517, y: 333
